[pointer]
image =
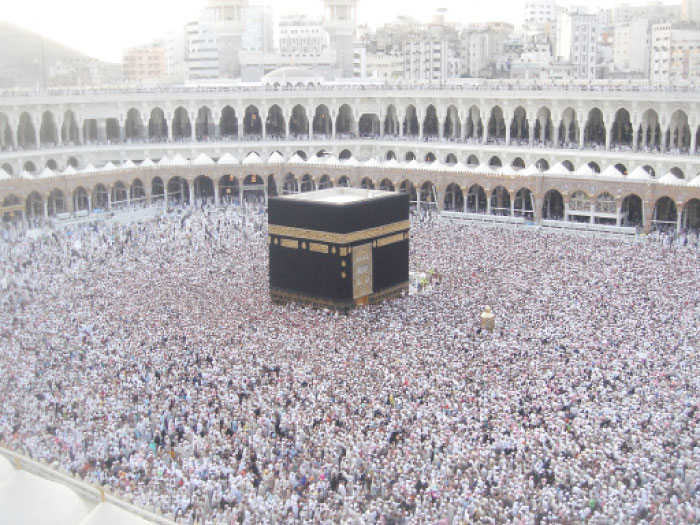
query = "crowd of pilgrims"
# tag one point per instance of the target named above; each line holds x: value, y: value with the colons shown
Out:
x: 149, y: 359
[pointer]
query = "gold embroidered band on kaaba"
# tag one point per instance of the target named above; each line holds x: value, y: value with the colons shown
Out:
x: 338, y: 238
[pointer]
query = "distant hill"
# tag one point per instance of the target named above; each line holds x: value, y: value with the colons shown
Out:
x: 21, y: 59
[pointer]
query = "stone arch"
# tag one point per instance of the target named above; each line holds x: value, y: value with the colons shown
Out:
x: 35, y: 205
x: 553, y: 206
x: 429, y: 157
x: 345, y: 154
x: 80, y: 199
x: 649, y: 133
x: 452, y: 128
x: 665, y: 215
x: 205, y: 126
x: 133, y: 125
x: 26, y: 132
x: 252, y: 124
x: 307, y: 183
x: 301, y: 154
x: 543, y: 126
x: 137, y: 192
x: 409, y: 156
x: 322, y: 122
x: 72, y: 162
x: 299, y: 122
x: 178, y: 191
x: 431, y: 124
x: 476, y: 199
x: 369, y: 125
x: 594, y: 166
x: 606, y: 206
x: 228, y: 124
x: 229, y: 189
x: 157, y: 125
x: 391, y: 122
x: 451, y: 159
x: 519, y: 126
x: 48, y: 134
x: 518, y: 163
x: 568, y: 165
x: 14, y: 216
x: 271, y: 186
x: 366, y: 184
x: 203, y: 189
x: 8, y: 169
x: 524, y: 203
x: 275, y: 125
x: 428, y: 192
x: 622, y: 131
x: 411, y: 127
x: 100, y: 196
x: 119, y: 194
x: 690, y: 219
x: 594, y: 132
x: 621, y: 168
x: 407, y: 187
x: 390, y: 155
x: 345, y: 122
x: 542, y: 164
x: 500, y: 201
x: 325, y: 183
x: 454, y: 199
x: 112, y: 132
x: 52, y: 164
x: 495, y: 162
x: 568, y: 128
x: 90, y: 130
x: 651, y: 171
x: 632, y: 211
x: 290, y: 184
x: 678, y: 134
x: 344, y: 182
x: 677, y: 172
x: 472, y: 160
x: 70, y: 133
x: 56, y: 202
x: 475, y: 127
x: 497, y: 125
x: 386, y: 185
x: 580, y: 206
x: 6, y: 134
x: 29, y: 167
x: 182, y: 127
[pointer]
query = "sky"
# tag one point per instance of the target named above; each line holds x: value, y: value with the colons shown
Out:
x: 104, y: 28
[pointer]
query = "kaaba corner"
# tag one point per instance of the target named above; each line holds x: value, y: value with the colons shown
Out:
x: 338, y: 248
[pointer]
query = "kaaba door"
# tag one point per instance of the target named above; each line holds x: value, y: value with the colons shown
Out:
x: 362, y: 270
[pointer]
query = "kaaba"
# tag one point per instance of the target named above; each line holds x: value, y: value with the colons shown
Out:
x: 338, y: 248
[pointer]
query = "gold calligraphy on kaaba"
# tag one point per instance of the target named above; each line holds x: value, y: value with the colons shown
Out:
x: 338, y: 238
x: 362, y: 270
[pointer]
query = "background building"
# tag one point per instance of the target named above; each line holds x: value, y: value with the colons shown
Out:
x: 145, y: 63
x: 576, y: 41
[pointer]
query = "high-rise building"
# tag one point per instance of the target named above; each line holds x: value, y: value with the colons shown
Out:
x: 229, y: 25
x: 203, y: 55
x: 340, y: 21
x: 690, y: 11
x: 538, y: 13
x: 576, y: 42
x: 430, y: 60
x: 632, y: 46
x: 480, y: 44
x: 675, y: 53
x: 144, y: 63
x: 259, y: 30
x: 302, y: 36
x: 656, y: 10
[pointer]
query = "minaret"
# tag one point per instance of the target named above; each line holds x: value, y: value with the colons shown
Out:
x: 229, y: 23
x: 340, y: 22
